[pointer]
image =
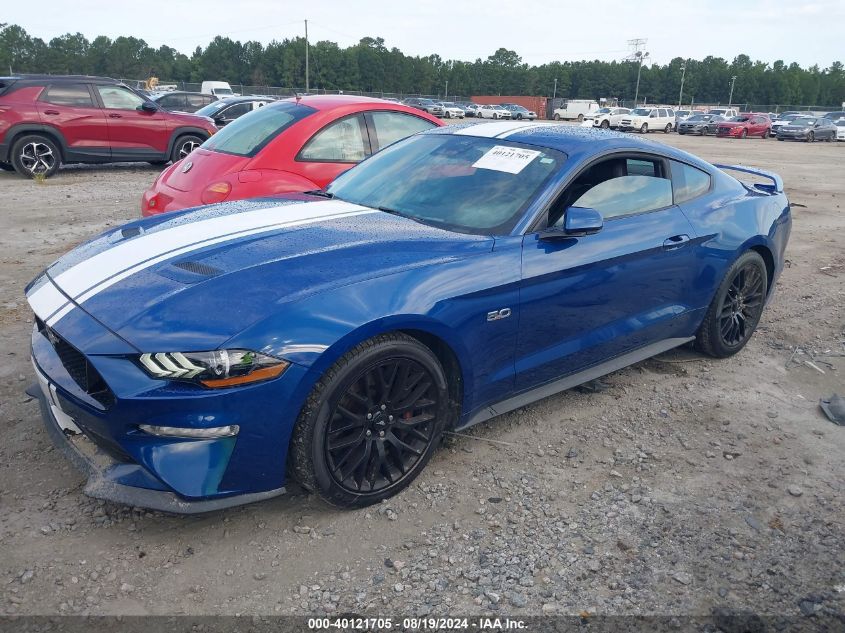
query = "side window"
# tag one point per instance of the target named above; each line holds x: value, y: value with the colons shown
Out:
x: 635, y: 167
x: 74, y: 95
x: 340, y: 142
x: 662, y: 113
x: 119, y: 98
x: 172, y: 102
x: 233, y: 112
x: 688, y: 182
x: 195, y: 102
x: 627, y: 195
x: 393, y: 126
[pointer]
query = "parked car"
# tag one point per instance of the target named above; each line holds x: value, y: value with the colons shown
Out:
x: 489, y: 111
x: 648, y: 119
x: 224, y: 111
x: 180, y: 101
x: 426, y: 105
x: 840, y: 130
x: 452, y: 110
x: 333, y: 338
x: 701, y: 124
x: 808, y: 129
x: 219, y: 89
x: 744, y: 125
x: 575, y: 109
x: 727, y: 113
x: 519, y: 112
x: 607, y: 117
x: 784, y: 119
x: 470, y: 109
x: 683, y: 115
x: 286, y: 146
x: 835, y: 116
x: 50, y: 120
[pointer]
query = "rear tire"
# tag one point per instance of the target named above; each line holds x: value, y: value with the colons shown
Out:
x: 36, y: 155
x: 668, y: 128
x: 736, y: 309
x: 354, y: 443
x: 580, y: 118
x: 184, y: 145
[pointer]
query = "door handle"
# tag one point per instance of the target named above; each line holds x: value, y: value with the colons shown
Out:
x: 676, y: 241
x: 53, y: 112
x: 115, y: 116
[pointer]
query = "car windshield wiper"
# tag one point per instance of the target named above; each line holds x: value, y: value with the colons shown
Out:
x: 320, y: 193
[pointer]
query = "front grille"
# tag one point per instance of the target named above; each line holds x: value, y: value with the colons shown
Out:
x: 77, y: 366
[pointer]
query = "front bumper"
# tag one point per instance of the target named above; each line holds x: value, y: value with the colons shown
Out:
x: 729, y: 131
x: 101, y: 398
x: 108, y: 477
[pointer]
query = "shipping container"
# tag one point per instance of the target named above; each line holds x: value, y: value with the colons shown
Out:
x: 535, y: 104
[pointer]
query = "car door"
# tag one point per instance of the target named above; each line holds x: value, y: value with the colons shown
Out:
x: 385, y: 127
x: 334, y: 149
x: 135, y: 134
x: 72, y: 110
x: 585, y: 300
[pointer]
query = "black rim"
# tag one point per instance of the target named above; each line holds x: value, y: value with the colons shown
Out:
x: 741, y: 305
x: 382, y: 425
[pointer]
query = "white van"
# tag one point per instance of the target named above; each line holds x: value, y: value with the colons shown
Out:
x: 648, y: 119
x: 575, y: 109
x: 217, y: 88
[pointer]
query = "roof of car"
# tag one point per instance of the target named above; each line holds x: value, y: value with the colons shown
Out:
x: 322, y: 102
x: 60, y: 78
x: 159, y: 95
x: 226, y: 100
x: 569, y: 139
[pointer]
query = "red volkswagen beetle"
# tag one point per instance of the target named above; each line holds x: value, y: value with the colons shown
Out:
x: 297, y: 144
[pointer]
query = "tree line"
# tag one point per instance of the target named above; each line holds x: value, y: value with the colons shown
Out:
x: 369, y: 66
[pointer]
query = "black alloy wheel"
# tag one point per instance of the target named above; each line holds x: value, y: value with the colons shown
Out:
x: 184, y: 145
x: 736, y: 309
x: 36, y: 155
x: 372, y: 422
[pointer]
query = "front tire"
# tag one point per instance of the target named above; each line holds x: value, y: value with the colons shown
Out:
x: 743, y: 134
x: 371, y: 423
x: 644, y: 128
x: 736, y: 309
x: 811, y: 137
x: 36, y: 155
x: 605, y: 124
x: 557, y: 117
x: 184, y: 145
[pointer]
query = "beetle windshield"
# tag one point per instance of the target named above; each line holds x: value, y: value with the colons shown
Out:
x: 462, y: 183
x: 249, y: 134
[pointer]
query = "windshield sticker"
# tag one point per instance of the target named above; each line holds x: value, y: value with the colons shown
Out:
x: 508, y: 159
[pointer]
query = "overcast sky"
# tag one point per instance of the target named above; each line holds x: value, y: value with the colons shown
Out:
x: 808, y: 32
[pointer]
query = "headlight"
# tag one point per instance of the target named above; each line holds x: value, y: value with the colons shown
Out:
x: 215, y: 369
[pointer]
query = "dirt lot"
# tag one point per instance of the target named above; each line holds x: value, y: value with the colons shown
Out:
x: 688, y: 484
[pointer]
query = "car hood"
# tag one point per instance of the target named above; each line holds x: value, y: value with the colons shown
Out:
x: 192, y: 280
x: 733, y: 123
x: 186, y: 118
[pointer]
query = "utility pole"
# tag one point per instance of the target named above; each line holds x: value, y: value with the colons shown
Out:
x: 683, y: 75
x: 306, y: 57
x: 446, y: 96
x: 731, y: 96
x: 637, y: 55
x: 554, y: 92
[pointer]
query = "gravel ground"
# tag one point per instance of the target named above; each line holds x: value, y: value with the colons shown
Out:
x: 684, y: 486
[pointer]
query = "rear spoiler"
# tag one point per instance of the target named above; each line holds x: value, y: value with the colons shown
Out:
x: 775, y: 187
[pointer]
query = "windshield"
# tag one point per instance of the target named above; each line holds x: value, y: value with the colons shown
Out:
x: 717, y: 111
x: 802, y: 121
x: 461, y: 183
x: 641, y: 111
x: 603, y: 111
x: 698, y: 117
x: 248, y: 134
x: 739, y: 119
x: 682, y: 112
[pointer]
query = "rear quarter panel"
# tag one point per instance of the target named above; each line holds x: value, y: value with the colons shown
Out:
x: 730, y: 220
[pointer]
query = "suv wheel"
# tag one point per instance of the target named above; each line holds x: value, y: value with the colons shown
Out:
x: 644, y: 128
x: 36, y: 155
x: 605, y: 124
x: 184, y: 145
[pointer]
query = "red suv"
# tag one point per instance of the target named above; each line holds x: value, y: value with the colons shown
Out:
x: 47, y: 120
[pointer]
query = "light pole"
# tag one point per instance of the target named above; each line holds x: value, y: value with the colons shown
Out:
x: 306, y: 57
x: 446, y: 96
x: 641, y: 56
x: 554, y: 92
x: 731, y: 95
x: 683, y: 75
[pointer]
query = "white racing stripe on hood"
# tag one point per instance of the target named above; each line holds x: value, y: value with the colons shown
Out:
x: 89, y: 277
x: 499, y: 129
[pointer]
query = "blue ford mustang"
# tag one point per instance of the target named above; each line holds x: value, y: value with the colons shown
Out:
x: 197, y: 360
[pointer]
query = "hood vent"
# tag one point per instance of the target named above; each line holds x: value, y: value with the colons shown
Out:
x: 198, y: 268
x: 189, y: 271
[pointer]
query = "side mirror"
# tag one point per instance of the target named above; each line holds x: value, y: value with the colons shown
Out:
x: 149, y: 106
x: 577, y: 222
